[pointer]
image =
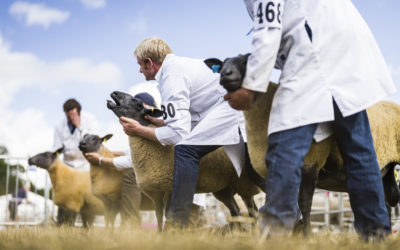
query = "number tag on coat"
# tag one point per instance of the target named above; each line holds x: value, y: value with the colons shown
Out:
x: 268, y: 14
x: 168, y: 110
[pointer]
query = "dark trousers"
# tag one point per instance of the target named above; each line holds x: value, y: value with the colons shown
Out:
x: 186, y: 170
x: 285, y: 158
x: 131, y: 197
x: 13, y: 206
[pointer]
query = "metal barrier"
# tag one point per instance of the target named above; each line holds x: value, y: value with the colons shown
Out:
x: 330, y: 210
x: 32, y: 210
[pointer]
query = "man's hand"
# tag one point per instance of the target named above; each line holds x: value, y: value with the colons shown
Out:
x: 240, y: 99
x: 131, y: 127
x: 92, y: 157
x: 155, y: 121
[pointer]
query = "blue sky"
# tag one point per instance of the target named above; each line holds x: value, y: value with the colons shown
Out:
x: 54, y: 50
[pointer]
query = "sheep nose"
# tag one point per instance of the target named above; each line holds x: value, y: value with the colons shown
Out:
x: 227, y: 72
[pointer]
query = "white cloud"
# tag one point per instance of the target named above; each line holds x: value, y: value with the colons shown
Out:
x: 27, y: 132
x: 37, y: 14
x: 94, y: 4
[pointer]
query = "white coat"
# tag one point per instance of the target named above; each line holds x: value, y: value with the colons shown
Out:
x: 325, y: 50
x: 195, y: 112
x: 72, y: 156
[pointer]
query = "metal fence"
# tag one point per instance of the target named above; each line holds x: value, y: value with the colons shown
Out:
x: 330, y: 210
x: 33, y: 210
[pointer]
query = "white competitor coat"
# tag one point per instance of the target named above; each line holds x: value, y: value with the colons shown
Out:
x: 72, y: 156
x: 194, y: 109
x: 325, y: 50
x: 195, y: 112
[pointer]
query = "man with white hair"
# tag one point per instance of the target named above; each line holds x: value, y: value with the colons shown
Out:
x: 196, y: 120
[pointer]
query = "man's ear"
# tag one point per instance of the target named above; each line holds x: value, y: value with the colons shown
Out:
x: 214, y: 64
x: 106, y: 137
x: 148, y: 62
x: 153, y: 112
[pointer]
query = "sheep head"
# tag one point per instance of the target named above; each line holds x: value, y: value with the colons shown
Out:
x: 128, y: 106
x: 92, y: 143
x: 232, y: 70
x: 46, y: 159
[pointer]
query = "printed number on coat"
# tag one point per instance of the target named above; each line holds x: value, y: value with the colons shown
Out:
x: 169, y: 111
x: 268, y: 14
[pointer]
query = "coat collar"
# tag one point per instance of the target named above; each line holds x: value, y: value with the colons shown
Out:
x: 159, y: 73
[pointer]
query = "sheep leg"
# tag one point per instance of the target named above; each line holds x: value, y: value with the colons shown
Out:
x: 109, y: 213
x: 87, y: 219
x: 70, y: 217
x: 158, y: 200
x: 308, y: 183
x: 226, y: 197
x: 251, y: 206
x: 391, y: 190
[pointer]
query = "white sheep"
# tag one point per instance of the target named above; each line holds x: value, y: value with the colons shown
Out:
x: 323, y: 164
x: 153, y: 164
x: 71, y: 187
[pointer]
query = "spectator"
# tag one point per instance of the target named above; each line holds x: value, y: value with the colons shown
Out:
x: 16, y: 199
x: 68, y: 132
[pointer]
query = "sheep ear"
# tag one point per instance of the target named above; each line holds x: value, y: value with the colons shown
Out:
x: 214, y: 64
x: 106, y: 137
x: 59, y: 151
x: 153, y: 112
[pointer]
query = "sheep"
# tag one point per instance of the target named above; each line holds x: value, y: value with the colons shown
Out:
x: 71, y: 187
x: 323, y: 165
x: 153, y: 164
x: 106, y: 181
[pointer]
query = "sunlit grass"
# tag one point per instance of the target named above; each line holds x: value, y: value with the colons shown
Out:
x: 100, y: 238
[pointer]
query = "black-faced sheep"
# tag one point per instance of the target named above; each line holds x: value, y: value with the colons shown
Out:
x: 153, y: 164
x: 323, y: 165
x: 71, y: 187
x: 106, y: 181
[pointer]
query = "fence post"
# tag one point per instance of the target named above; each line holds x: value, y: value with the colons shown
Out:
x: 46, y: 197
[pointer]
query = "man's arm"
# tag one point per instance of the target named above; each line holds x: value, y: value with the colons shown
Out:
x: 133, y: 128
x: 175, y: 93
x: 265, y: 46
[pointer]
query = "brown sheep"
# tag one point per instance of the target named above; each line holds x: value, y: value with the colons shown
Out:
x: 71, y: 187
x: 106, y: 181
x: 153, y: 164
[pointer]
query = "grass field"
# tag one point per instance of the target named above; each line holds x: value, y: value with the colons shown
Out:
x: 100, y: 238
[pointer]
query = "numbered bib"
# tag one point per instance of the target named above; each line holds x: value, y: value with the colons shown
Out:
x: 268, y: 14
x: 168, y: 111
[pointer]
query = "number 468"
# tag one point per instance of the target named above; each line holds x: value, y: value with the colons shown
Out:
x: 271, y: 12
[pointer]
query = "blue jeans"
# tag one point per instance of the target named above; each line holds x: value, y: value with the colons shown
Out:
x: 186, y: 171
x: 285, y: 158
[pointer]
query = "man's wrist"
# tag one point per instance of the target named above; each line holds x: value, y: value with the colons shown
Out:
x: 100, y: 159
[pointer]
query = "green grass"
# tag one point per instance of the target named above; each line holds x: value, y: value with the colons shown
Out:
x: 99, y: 238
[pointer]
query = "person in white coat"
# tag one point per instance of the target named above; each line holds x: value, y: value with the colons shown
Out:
x: 196, y: 119
x: 70, y: 130
x: 332, y: 70
x: 67, y: 133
